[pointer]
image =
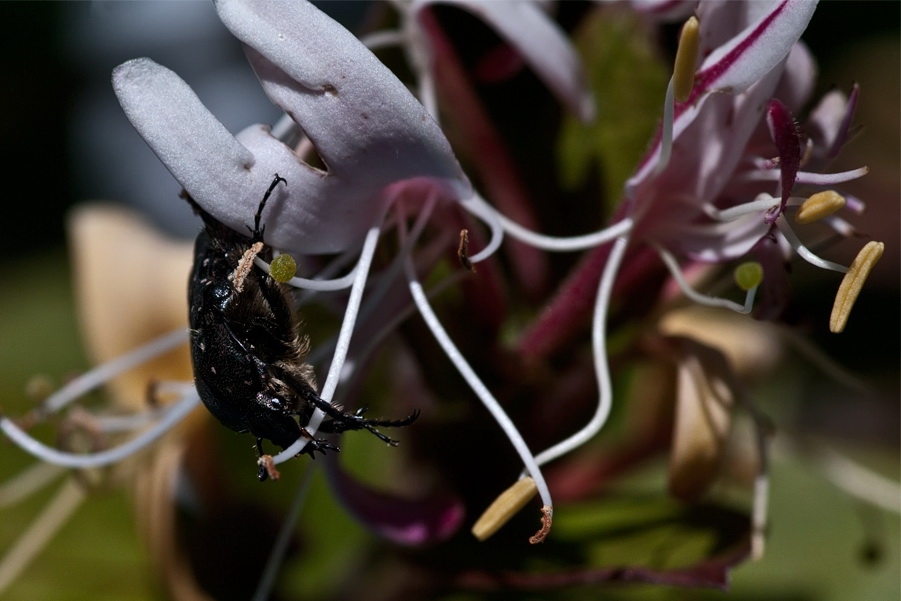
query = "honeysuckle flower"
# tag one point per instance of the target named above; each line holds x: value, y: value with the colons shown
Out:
x: 377, y: 144
x: 731, y: 150
x: 686, y: 198
x: 363, y: 124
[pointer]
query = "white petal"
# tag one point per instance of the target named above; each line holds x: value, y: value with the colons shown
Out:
x: 202, y: 155
x: 760, y: 47
x: 541, y: 42
x: 366, y: 126
x: 798, y: 78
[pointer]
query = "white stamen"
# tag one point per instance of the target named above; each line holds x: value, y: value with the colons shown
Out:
x: 711, y: 301
x: 277, y: 554
x: 602, y: 369
x: 174, y: 414
x: 50, y: 520
x: 566, y: 244
x: 829, y: 179
x: 484, y: 211
x: 666, y: 131
x: 804, y: 177
x: 859, y: 481
x: 477, y: 386
x: 285, y: 129
x: 125, y: 423
x: 105, y: 372
x: 840, y: 226
x: 493, y: 218
x: 804, y: 252
x: 22, y: 485
x: 760, y: 510
x: 384, y: 39
x: 328, y: 285
x: 343, y: 344
x: 761, y: 203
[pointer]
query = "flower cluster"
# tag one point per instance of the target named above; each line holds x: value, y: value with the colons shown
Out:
x: 398, y: 204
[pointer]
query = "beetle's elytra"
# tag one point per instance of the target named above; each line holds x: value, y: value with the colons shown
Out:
x: 247, y: 349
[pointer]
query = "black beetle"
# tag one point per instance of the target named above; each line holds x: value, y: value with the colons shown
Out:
x: 246, y: 346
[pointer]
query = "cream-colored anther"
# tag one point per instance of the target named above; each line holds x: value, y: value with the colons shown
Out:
x: 504, y: 507
x: 821, y: 204
x: 852, y: 283
x: 686, y: 59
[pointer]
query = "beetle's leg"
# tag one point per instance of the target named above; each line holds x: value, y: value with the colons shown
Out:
x: 265, y: 466
x: 316, y: 444
x: 340, y: 420
x: 356, y: 421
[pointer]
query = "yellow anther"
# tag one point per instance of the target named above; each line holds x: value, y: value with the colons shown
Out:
x: 852, y: 283
x: 504, y: 507
x: 821, y: 204
x: 686, y: 59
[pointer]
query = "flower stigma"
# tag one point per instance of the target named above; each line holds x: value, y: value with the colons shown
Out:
x: 283, y: 268
x: 749, y: 275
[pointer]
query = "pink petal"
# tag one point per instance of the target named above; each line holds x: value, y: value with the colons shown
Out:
x: 798, y: 78
x: 405, y: 521
x: 788, y: 144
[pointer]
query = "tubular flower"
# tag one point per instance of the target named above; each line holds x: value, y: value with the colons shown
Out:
x: 391, y: 247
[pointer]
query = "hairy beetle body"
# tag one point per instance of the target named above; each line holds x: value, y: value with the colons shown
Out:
x: 246, y: 347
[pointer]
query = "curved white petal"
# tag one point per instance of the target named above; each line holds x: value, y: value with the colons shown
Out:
x: 753, y: 53
x: 366, y: 126
x: 198, y: 150
x: 540, y: 42
x: 369, y: 130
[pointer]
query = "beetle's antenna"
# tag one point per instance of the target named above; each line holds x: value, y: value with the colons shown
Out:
x: 257, y: 228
